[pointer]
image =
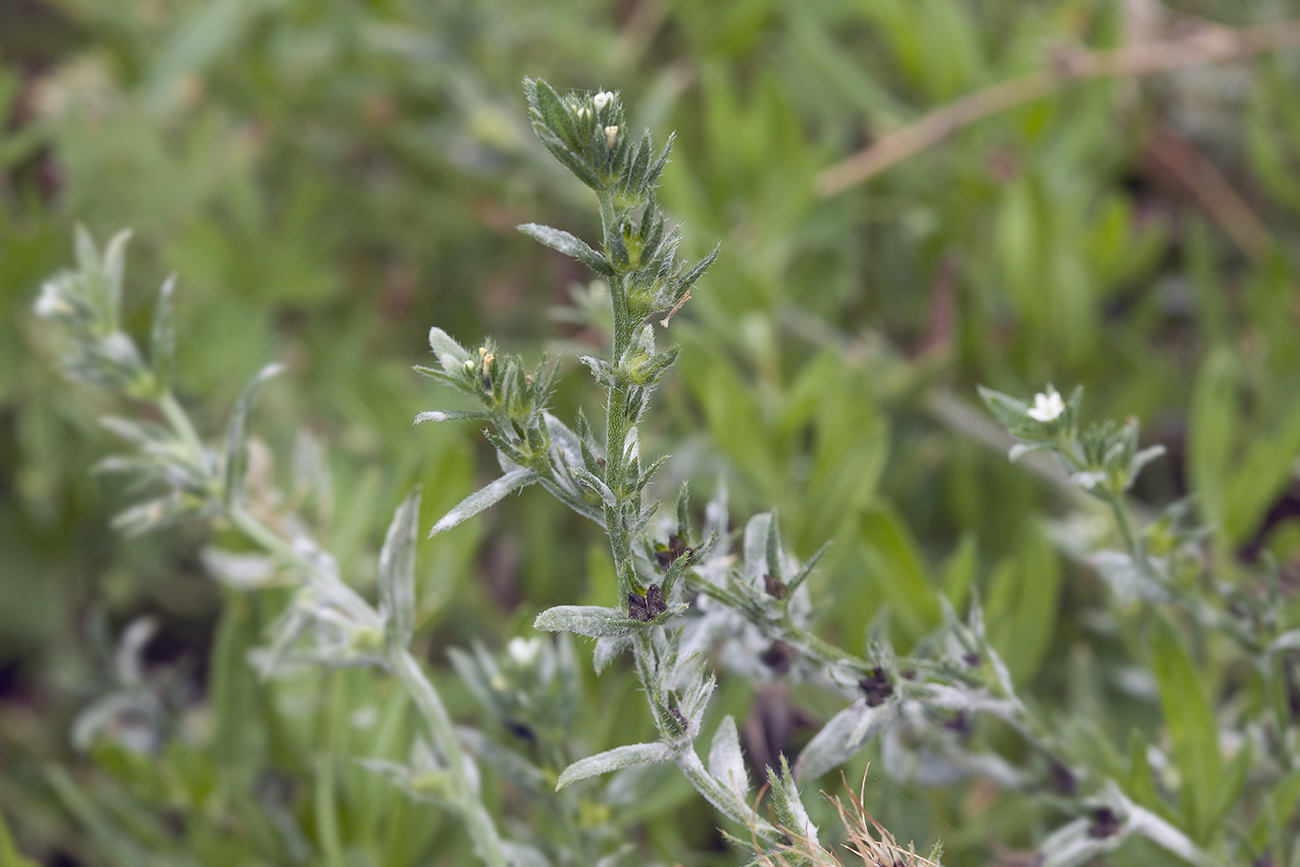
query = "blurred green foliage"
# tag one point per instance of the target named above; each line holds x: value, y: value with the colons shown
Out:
x: 330, y: 178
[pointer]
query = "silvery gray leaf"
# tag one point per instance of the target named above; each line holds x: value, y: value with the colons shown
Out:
x: 162, y: 337
x: 484, y: 498
x: 1074, y: 844
x: 240, y: 570
x: 613, y: 760
x: 755, y: 547
x: 592, y: 621
x: 522, y: 855
x: 607, y: 649
x: 1126, y: 579
x: 447, y: 349
x: 569, y: 245
x: 1289, y: 640
x: 436, y: 415
x: 397, y: 573
x: 726, y: 762
x: 842, y: 738
x: 507, y: 763
x: 235, y: 433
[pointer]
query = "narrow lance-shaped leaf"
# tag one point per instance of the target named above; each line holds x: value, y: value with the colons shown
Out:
x: 443, y: 344
x: 614, y: 760
x: 808, y: 567
x: 842, y: 738
x: 593, y: 621
x: 484, y: 498
x: 785, y: 800
x: 726, y: 762
x: 451, y: 415
x: 1192, y: 726
x: 114, y: 269
x: 569, y: 245
x: 772, y: 553
x: 162, y: 339
x: 397, y: 573
x: 235, y: 434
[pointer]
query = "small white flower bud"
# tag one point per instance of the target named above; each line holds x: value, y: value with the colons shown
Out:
x: 611, y: 136
x: 51, y: 304
x: 602, y: 99
x: 469, y: 364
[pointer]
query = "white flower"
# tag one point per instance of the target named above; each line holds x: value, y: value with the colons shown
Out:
x: 611, y: 136
x: 1089, y: 479
x: 602, y: 99
x: 1047, y: 407
x: 524, y: 650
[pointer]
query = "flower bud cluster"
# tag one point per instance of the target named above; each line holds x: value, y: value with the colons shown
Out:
x: 1103, y: 459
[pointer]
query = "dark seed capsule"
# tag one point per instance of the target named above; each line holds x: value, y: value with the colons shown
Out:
x: 655, y: 603
x: 876, y: 687
x: 636, y: 608
x: 676, y: 548
x: 775, y: 587
x: 778, y: 657
x: 973, y: 660
x: 1063, y: 779
x: 961, y: 724
x: 1104, y: 824
x: 521, y: 731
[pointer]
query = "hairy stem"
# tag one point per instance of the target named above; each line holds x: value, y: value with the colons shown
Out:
x: 477, y: 821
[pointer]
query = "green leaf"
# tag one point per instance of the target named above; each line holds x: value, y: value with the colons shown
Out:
x: 960, y: 571
x: 1212, y: 432
x: 162, y: 343
x: 1192, y: 727
x: 897, y: 567
x: 236, y: 431
x: 1141, y: 785
x: 1233, y: 782
x: 397, y: 573
x: 1022, y: 606
x: 1260, y: 477
x: 9, y: 855
x: 239, y: 740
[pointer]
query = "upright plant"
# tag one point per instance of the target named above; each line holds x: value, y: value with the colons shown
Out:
x: 680, y: 593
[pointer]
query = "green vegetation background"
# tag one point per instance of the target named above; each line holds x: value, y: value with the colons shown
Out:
x: 331, y: 178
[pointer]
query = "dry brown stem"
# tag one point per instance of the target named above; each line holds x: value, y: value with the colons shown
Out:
x: 874, y: 849
x: 1212, y: 190
x: 1207, y: 45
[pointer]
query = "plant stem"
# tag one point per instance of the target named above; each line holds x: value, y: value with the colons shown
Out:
x: 1126, y: 531
x: 180, y: 422
x: 725, y: 800
x: 477, y: 821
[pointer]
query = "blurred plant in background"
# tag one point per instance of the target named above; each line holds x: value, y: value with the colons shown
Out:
x: 329, y: 179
